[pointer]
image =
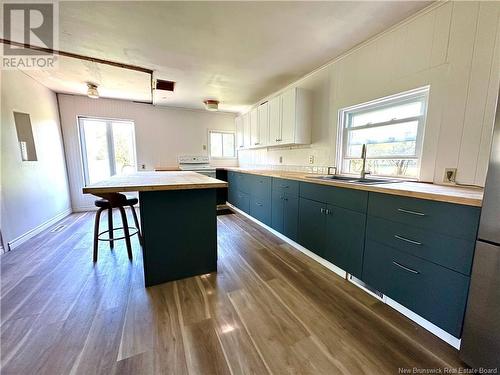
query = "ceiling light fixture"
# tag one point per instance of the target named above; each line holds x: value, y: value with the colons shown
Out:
x: 92, y: 91
x: 211, y: 105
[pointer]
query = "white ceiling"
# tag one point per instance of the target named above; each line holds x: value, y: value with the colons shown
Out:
x: 236, y: 52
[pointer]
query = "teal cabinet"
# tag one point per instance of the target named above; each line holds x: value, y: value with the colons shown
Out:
x: 286, y: 187
x: 451, y: 252
x: 312, y: 225
x: 260, y: 208
x: 434, y: 292
x: 332, y: 223
x: 284, y: 216
x: 290, y: 217
x: 416, y: 251
x: 450, y: 219
x: 351, y: 199
x: 277, y: 211
x: 243, y: 201
x: 345, y: 239
x: 232, y: 188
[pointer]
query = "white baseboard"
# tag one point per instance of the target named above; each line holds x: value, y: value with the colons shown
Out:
x: 432, y: 328
x: 33, y: 232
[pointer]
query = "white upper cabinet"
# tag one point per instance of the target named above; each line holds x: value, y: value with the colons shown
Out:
x: 274, y: 120
x: 254, y: 128
x: 238, y: 124
x: 263, y: 112
x: 283, y: 120
x: 290, y: 118
x: 246, y: 130
x: 296, y: 117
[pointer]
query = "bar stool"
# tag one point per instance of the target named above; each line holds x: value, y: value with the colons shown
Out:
x: 116, y: 200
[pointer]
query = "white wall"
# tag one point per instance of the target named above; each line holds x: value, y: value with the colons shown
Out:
x: 161, y: 134
x: 454, y: 47
x: 33, y: 193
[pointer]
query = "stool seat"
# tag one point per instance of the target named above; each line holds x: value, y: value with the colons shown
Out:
x: 126, y: 201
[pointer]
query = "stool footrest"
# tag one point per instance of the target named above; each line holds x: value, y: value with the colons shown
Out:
x: 133, y: 231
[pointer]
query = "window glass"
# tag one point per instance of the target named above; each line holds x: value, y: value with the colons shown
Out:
x: 222, y: 145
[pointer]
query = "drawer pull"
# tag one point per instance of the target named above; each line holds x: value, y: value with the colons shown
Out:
x: 258, y: 204
x: 407, y: 240
x: 284, y: 186
x: 411, y: 212
x: 405, y: 268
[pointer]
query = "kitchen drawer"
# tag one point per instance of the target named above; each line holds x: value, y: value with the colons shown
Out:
x: 451, y: 252
x: 286, y: 187
x: 259, y: 186
x: 243, y: 201
x: 260, y: 209
x: 434, y: 292
x: 242, y: 182
x: 342, y: 197
x: 447, y: 218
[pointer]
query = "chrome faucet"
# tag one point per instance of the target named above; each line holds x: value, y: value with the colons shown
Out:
x: 363, y: 166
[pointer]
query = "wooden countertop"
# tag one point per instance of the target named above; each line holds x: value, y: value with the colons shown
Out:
x: 150, y: 181
x: 469, y: 196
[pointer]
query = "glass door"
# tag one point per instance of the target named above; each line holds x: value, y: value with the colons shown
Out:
x: 108, y: 148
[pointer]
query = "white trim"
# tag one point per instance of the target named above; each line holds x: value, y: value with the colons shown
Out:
x: 424, y: 323
x: 432, y: 328
x: 40, y: 228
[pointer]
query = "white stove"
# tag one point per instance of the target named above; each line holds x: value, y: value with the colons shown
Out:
x: 199, y: 164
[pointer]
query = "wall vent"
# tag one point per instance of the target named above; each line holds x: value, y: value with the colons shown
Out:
x: 161, y: 84
x: 58, y: 228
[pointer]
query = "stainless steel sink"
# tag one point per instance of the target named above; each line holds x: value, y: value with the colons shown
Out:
x: 356, y: 180
x: 374, y: 181
x: 334, y: 178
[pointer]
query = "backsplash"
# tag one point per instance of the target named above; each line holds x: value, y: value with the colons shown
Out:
x: 289, y: 168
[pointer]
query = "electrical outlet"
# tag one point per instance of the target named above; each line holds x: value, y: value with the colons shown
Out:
x: 450, y: 175
x: 311, y: 159
x: 143, y: 166
x: 204, y: 147
x: 281, y: 159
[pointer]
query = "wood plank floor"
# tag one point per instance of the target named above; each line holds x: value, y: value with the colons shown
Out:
x: 268, y: 310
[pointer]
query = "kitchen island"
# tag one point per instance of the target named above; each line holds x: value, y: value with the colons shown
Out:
x: 178, y: 220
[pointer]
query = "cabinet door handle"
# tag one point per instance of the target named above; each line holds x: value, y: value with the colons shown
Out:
x: 411, y: 212
x: 258, y: 204
x: 286, y: 199
x: 328, y: 212
x: 405, y: 268
x: 284, y: 186
x: 401, y: 238
x: 322, y: 210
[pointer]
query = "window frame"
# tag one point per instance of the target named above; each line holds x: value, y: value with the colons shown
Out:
x: 110, y: 144
x: 346, y: 115
x: 233, y: 133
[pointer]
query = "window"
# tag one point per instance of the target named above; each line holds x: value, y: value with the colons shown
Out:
x: 222, y: 145
x: 108, y: 148
x: 392, y: 129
